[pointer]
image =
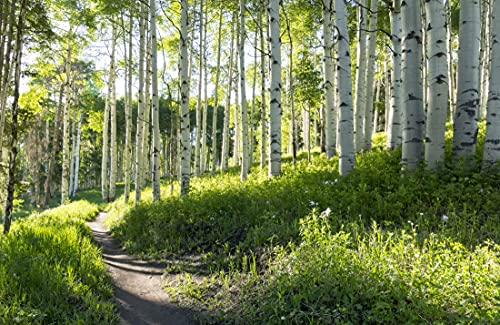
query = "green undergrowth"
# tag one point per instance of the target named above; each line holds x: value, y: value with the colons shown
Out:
x: 378, y: 246
x: 51, y: 273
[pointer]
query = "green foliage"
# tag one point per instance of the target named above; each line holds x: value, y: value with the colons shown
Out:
x: 397, y: 246
x: 51, y: 273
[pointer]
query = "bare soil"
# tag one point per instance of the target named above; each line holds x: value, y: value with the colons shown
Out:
x: 137, y: 284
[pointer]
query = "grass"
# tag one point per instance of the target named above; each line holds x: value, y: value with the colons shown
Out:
x: 378, y: 246
x: 51, y: 273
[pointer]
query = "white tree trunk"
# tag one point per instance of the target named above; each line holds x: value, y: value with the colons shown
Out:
x: 112, y: 104
x: 330, y: 120
x: 370, y: 74
x: 346, y: 127
x: 140, y: 108
x: 275, y: 100
x: 197, y: 147
x: 155, y: 116
x: 184, y: 81
x: 72, y: 155
x: 360, y: 99
x: 245, y: 161
x: 437, y: 104
x: 215, y: 154
x: 128, y: 115
x: 227, y: 107
x: 77, y: 154
x: 485, y: 54
x: 204, y: 148
x: 394, y: 136
x: 306, y: 129
x: 491, y: 153
x: 413, y: 110
x: 467, y: 111
x: 263, y: 116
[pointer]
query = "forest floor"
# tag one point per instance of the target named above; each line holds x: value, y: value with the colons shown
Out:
x: 137, y: 284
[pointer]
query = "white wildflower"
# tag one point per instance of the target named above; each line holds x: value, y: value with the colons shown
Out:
x: 326, y: 213
x: 444, y: 218
x: 283, y: 318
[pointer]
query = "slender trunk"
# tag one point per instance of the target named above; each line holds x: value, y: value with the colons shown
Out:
x: 6, y: 75
x: 216, y: 101
x: 66, y: 130
x: 491, y: 153
x: 254, y: 100
x: 105, y: 153
x: 293, y: 125
x: 184, y: 81
x: 346, y: 126
x: 236, y: 110
x: 275, y: 100
x: 77, y: 155
x: 360, y: 99
x: 128, y: 112
x: 54, y: 148
x: 465, y: 127
x: 197, y: 147
x: 378, y: 86
x: 72, y: 155
x: 112, y: 105
x: 413, y: 110
x: 263, y: 116
x: 485, y: 55
x: 245, y: 168
x: 394, y: 136
x: 204, y: 148
x: 437, y: 85
x: 140, y: 108
x: 330, y: 128
x: 306, y: 129
x: 9, y: 203
x: 370, y: 74
x: 155, y: 114
x: 451, y: 72
x: 146, y: 161
x: 227, y: 107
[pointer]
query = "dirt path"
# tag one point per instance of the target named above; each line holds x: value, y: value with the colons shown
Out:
x: 137, y: 284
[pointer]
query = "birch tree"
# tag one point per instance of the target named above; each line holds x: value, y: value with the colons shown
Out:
x: 437, y: 102
x: 112, y: 105
x: 9, y: 202
x: 128, y: 112
x: 491, y: 152
x: 395, y: 114
x: 216, y: 100
x: 413, y: 110
x: 346, y: 127
x: 66, y: 131
x: 184, y: 81
x: 370, y: 74
x: 197, y: 148
x: 227, y: 106
x: 263, y: 116
x: 467, y: 111
x: 275, y: 100
x: 140, y: 107
x: 330, y: 124
x: 155, y: 117
x: 360, y: 99
x: 244, y: 107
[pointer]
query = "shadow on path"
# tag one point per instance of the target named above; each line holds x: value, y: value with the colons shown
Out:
x: 137, y: 284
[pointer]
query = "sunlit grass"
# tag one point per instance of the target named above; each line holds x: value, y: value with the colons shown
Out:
x: 52, y: 273
x: 265, y: 253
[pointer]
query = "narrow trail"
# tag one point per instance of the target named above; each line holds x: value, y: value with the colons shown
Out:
x: 137, y: 284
